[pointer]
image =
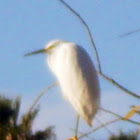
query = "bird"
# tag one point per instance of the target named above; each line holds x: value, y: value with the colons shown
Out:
x: 76, y: 75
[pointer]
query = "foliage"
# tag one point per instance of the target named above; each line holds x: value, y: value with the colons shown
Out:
x: 11, y: 130
x: 123, y: 136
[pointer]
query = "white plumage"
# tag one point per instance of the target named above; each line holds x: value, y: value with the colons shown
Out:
x: 76, y: 75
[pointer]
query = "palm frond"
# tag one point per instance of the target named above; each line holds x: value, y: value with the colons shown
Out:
x: 123, y: 136
x: 27, y: 120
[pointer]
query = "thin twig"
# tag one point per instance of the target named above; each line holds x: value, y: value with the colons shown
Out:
x: 110, y: 122
x: 88, y: 31
x: 41, y: 94
x: 104, y: 126
x: 121, y: 118
x: 119, y: 86
x: 97, y: 128
x: 96, y: 53
x: 83, y: 133
x: 129, y: 33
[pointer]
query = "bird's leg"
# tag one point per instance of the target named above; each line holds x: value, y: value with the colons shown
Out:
x: 76, y: 128
x: 77, y: 124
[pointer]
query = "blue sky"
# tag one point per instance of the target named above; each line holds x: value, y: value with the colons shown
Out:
x: 28, y: 25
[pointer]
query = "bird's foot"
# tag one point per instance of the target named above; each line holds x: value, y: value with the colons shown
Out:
x: 73, y: 138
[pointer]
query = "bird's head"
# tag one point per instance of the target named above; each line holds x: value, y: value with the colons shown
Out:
x: 48, y: 48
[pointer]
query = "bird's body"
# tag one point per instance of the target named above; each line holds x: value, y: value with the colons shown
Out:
x: 77, y: 78
x: 76, y: 75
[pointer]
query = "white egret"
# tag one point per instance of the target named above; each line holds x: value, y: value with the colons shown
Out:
x: 76, y: 75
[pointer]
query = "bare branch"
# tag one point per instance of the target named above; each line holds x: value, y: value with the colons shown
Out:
x: 88, y: 31
x: 112, y: 81
x: 129, y: 33
x: 97, y: 128
x: 104, y: 126
x: 83, y: 134
x: 121, y: 118
x: 110, y: 122
x: 41, y: 94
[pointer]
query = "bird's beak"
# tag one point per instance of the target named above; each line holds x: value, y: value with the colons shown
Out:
x: 36, y: 52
